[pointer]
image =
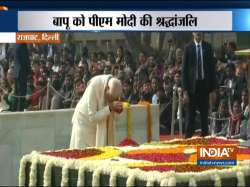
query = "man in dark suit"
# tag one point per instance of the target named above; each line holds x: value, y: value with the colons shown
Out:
x: 22, y: 71
x: 198, y: 80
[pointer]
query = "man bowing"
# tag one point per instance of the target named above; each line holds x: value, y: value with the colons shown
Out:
x: 93, y: 116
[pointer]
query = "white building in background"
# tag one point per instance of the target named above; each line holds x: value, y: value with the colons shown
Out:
x: 109, y: 41
x: 104, y: 41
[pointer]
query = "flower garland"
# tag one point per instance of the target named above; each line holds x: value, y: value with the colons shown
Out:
x: 164, y: 182
x: 172, y: 181
x: 141, y: 175
x: 117, y: 172
x: 150, y: 183
x: 131, y: 179
x: 127, y: 106
x: 47, y: 173
x: 230, y: 174
x: 240, y: 178
x: 65, y: 175
x: 81, y: 176
x: 96, y: 177
x: 102, y: 169
x: 192, y: 182
x: 217, y: 179
x: 22, y: 175
x: 33, y: 172
x: 163, y: 172
x: 113, y: 177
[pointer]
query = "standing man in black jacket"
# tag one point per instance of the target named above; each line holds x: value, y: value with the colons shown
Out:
x: 198, y: 80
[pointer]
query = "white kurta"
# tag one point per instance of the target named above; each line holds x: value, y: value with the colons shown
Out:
x: 89, y: 120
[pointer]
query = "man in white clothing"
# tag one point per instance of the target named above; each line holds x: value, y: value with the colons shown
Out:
x: 92, y: 119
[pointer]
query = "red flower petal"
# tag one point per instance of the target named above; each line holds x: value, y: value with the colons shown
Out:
x: 128, y: 142
x: 158, y: 157
x: 74, y: 154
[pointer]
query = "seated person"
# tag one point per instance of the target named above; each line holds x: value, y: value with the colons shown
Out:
x: 245, y: 134
x: 246, y: 112
x: 245, y: 126
x: 127, y: 88
x: 165, y: 101
x: 248, y: 130
x: 236, y: 119
x: 146, y: 94
x: 79, y: 88
x: 9, y: 95
x: 244, y: 131
x: 56, y: 100
x: 245, y: 103
x: 220, y: 124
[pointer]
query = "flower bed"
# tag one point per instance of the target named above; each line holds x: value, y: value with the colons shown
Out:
x: 163, y: 163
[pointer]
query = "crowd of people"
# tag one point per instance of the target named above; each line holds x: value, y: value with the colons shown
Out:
x: 59, y: 77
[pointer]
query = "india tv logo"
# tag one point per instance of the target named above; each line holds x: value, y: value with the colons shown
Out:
x: 216, y: 155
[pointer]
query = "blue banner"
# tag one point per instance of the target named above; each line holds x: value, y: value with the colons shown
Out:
x: 125, y: 4
x: 241, y: 20
x: 8, y: 21
x: 216, y: 162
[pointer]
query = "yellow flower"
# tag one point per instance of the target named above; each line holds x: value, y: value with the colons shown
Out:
x: 125, y: 104
x: 108, y: 152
